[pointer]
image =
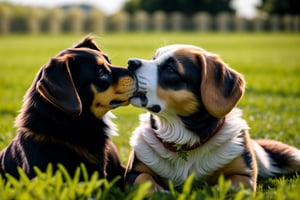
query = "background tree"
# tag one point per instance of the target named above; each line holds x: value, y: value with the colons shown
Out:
x: 54, y: 20
x: 34, y: 17
x: 5, y: 16
x: 120, y: 22
x: 280, y: 7
x: 18, y: 19
x: 189, y: 7
x: 74, y: 19
x: 96, y: 21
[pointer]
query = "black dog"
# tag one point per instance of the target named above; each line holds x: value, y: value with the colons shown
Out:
x: 64, y: 116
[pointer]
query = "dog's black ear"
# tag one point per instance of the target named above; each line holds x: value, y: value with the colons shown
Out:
x: 87, y: 42
x: 56, y: 86
x: 221, y: 86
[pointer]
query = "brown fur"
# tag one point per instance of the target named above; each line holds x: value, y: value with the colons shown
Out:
x: 184, y: 102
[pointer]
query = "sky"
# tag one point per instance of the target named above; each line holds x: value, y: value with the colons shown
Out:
x: 245, y: 8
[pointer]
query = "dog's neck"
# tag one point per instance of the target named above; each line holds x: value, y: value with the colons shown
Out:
x: 176, y: 135
x: 201, y: 123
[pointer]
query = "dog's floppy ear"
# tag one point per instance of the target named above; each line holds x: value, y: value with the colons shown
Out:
x: 221, y: 86
x: 56, y: 86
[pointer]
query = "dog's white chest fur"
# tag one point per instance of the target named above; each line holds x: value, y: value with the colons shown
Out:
x: 203, y: 161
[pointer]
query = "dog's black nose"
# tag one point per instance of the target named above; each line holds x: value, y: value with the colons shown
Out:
x: 134, y: 64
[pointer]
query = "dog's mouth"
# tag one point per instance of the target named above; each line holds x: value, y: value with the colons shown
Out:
x: 116, y: 103
x: 139, y: 99
x: 123, y: 98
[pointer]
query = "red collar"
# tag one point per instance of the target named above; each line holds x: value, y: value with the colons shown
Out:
x: 185, y: 147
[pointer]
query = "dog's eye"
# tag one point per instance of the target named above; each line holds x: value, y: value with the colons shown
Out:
x: 168, y: 68
x: 100, y: 72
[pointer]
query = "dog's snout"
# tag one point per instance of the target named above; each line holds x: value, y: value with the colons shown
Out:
x: 134, y: 64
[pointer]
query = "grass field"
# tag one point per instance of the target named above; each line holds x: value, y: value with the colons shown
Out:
x: 270, y: 63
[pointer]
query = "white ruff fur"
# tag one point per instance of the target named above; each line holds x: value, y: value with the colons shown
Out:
x: 203, y: 161
x: 112, y: 128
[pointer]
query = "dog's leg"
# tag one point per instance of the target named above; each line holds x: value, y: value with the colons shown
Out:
x: 114, y: 167
x: 236, y: 180
x: 137, y: 173
x: 242, y: 170
x: 144, y: 177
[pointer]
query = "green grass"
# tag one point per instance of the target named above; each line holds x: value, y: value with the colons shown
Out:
x: 271, y: 104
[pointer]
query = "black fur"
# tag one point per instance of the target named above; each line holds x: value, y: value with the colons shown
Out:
x: 48, y: 134
x: 201, y: 123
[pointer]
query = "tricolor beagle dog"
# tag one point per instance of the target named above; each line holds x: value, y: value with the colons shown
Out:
x: 194, y: 127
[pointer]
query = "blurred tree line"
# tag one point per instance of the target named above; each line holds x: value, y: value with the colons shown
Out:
x: 138, y: 15
x: 280, y: 7
x: 213, y: 7
x: 189, y: 7
x: 22, y: 19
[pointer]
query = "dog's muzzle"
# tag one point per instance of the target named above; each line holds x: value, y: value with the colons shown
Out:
x: 139, y: 98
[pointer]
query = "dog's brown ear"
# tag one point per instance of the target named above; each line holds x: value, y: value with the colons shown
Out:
x: 56, y: 86
x: 221, y: 86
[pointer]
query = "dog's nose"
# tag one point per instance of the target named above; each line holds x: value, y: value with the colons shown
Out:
x: 134, y: 64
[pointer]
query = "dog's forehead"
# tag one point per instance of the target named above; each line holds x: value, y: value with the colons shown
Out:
x: 171, y: 49
x: 90, y: 55
x: 85, y: 52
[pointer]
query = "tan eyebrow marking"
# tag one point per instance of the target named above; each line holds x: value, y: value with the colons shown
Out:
x: 100, y: 61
